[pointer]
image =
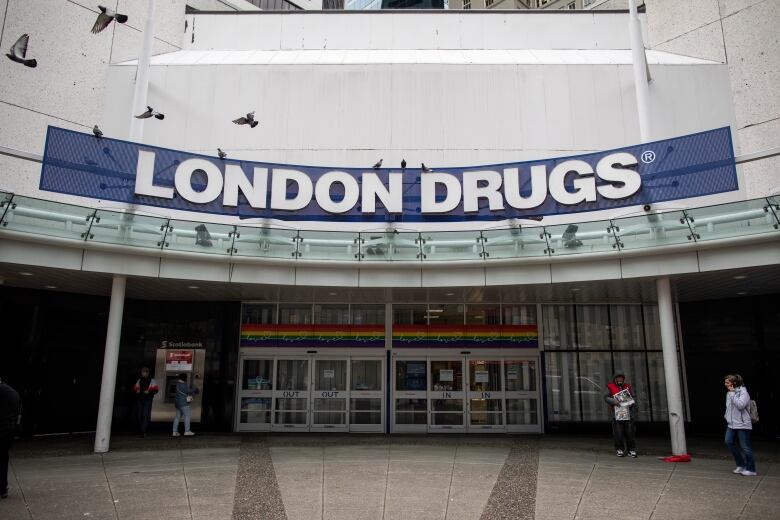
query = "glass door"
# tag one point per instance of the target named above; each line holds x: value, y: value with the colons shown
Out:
x: 522, y: 395
x: 366, y: 398
x: 410, y: 399
x: 255, y: 394
x: 485, y: 396
x: 291, y: 394
x: 446, y: 395
x: 329, y: 395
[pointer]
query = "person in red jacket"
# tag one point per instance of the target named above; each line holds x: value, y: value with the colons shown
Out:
x: 621, y: 399
x: 144, y: 389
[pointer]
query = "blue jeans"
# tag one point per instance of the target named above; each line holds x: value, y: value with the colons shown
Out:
x: 739, y: 444
x: 186, y: 411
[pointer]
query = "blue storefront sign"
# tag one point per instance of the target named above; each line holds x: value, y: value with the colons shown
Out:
x: 110, y: 169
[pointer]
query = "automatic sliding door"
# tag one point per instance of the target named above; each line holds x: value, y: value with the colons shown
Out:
x: 485, y: 395
x: 410, y: 399
x: 291, y: 394
x: 446, y: 395
x: 329, y: 396
x: 522, y: 395
x: 255, y: 395
x: 366, y: 399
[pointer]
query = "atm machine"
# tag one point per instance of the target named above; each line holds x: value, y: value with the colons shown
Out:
x: 169, y: 363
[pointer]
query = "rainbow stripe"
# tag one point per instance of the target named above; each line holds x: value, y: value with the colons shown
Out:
x: 312, y: 335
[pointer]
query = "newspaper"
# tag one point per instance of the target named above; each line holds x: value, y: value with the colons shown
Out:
x: 624, y: 399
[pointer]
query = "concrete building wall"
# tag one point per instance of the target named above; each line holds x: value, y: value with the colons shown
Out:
x: 743, y: 34
x: 222, y: 5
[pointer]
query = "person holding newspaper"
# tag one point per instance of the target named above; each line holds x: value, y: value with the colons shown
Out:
x: 621, y: 400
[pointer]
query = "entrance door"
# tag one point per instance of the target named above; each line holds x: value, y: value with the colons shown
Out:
x: 255, y: 394
x: 329, y: 395
x: 366, y: 396
x: 522, y: 395
x: 410, y: 397
x: 485, y: 395
x: 446, y: 395
x: 291, y: 394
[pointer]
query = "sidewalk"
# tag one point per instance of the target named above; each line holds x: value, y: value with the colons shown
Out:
x: 369, y: 477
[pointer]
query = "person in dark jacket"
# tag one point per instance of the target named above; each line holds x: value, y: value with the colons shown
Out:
x: 144, y: 389
x: 622, y: 404
x: 184, y: 393
x: 9, y: 415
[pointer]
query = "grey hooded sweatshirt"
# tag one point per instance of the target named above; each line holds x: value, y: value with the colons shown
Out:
x: 738, y: 409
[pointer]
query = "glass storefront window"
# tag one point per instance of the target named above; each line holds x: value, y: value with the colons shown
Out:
x: 652, y: 327
x: 633, y: 364
x: 258, y: 313
x: 410, y: 314
x: 410, y: 375
x: 595, y: 371
x: 368, y: 314
x: 655, y: 367
x: 330, y: 374
x: 558, y: 328
x: 484, y: 376
x: 295, y: 314
x: 592, y: 327
x: 626, y: 327
x: 331, y: 314
x: 520, y: 376
x: 560, y: 381
x: 483, y: 314
x: 292, y: 374
x: 256, y: 410
x: 447, y: 375
x: 446, y: 314
x: 257, y: 374
x: 366, y: 374
x: 518, y: 314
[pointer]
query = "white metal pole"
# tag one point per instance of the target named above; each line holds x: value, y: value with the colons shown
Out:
x: 671, y: 367
x: 142, y: 77
x: 639, y: 62
x: 110, y: 358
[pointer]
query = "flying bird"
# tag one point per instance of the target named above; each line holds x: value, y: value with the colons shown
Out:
x: 221, y: 154
x: 96, y: 130
x: 19, y: 52
x: 378, y: 165
x: 105, y: 18
x: 403, y: 164
x: 425, y: 169
x: 149, y: 113
x: 249, y: 119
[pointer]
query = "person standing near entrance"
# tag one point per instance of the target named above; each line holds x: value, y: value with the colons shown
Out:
x: 9, y: 415
x: 622, y: 403
x: 144, y: 389
x: 740, y: 425
x: 184, y: 393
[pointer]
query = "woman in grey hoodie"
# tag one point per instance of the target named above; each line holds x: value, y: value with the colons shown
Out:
x: 739, y: 425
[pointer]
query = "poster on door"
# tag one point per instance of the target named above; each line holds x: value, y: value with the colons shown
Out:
x: 178, y: 361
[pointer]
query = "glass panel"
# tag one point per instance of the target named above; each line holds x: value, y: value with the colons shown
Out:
x: 585, y: 237
x: 291, y: 417
x: 258, y: 313
x: 331, y: 314
x: 486, y: 412
x: 284, y: 403
x: 411, y: 411
x: 633, y: 364
x: 520, y: 376
x: 452, y: 245
x: 389, y: 247
x: 484, y: 376
x: 330, y: 375
x: 130, y: 229
x: 519, y: 314
x: 655, y: 365
x: 651, y: 230
x: 295, y: 314
x: 368, y: 314
x: 732, y: 220
x: 592, y: 327
x: 292, y: 374
x: 558, y: 323
x: 515, y: 242
x: 410, y: 314
x: 366, y: 374
x: 521, y: 412
x: 184, y: 235
x: 652, y: 327
x: 562, y: 401
x: 626, y: 327
x: 594, y: 374
x: 47, y: 218
x: 255, y: 410
x: 483, y: 314
x: 265, y: 242
x: 330, y: 411
x: 257, y: 374
x: 447, y: 375
x: 410, y: 375
x: 446, y: 314
x: 328, y: 245
x: 453, y: 409
x: 365, y: 411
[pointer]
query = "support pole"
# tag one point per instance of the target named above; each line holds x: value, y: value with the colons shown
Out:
x: 671, y: 367
x: 110, y: 358
x: 641, y: 78
x: 142, y: 77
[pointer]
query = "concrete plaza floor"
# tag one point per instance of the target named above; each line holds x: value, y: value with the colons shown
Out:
x: 305, y: 477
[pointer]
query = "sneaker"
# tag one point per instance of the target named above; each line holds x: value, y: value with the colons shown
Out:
x: 620, y: 453
x: 738, y: 470
x: 632, y: 454
x: 188, y: 434
x: 176, y: 434
x: 748, y: 473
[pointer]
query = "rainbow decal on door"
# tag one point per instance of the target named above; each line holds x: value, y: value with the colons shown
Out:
x: 312, y: 335
x: 468, y: 336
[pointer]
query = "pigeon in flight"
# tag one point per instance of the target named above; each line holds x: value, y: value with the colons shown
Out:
x: 221, y: 154
x: 105, y: 17
x: 403, y: 164
x: 96, y: 130
x: 249, y: 119
x: 149, y: 113
x: 425, y: 169
x: 19, y: 52
x: 378, y: 165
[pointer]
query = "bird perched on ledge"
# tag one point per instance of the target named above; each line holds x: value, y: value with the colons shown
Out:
x: 378, y: 165
x: 96, y: 130
x: 221, y: 154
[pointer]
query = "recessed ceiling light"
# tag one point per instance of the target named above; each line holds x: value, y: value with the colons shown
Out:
x: 193, y: 287
x: 741, y: 293
x: 333, y: 294
x: 575, y: 289
x: 740, y: 277
x: 449, y: 294
x: 49, y: 286
x: 25, y: 273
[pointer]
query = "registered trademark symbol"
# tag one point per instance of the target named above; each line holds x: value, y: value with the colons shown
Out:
x: 648, y: 156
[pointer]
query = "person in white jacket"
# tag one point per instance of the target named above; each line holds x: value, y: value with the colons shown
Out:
x: 739, y: 425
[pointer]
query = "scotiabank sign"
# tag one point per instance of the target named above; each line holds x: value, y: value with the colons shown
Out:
x: 107, y: 169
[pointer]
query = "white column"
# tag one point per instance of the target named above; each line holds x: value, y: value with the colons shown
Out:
x: 142, y: 77
x: 671, y: 367
x: 641, y: 79
x: 110, y: 358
